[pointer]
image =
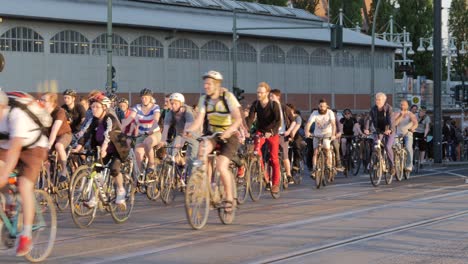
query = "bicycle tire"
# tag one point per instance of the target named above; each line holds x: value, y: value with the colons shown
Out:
x: 416, y: 161
x: 225, y: 217
x: 152, y: 188
x: 197, y: 200
x: 320, y: 168
x: 256, y: 175
x: 121, y: 213
x: 167, y: 184
x: 398, y: 164
x: 44, y: 218
x: 388, y: 174
x: 375, y: 170
x: 355, y: 161
x: 81, y: 191
x: 61, y: 195
x: 242, y: 189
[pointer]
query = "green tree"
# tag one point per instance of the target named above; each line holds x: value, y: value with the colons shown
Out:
x: 458, y: 28
x: 417, y: 16
x: 386, y: 9
x: 351, y: 10
x: 308, y: 5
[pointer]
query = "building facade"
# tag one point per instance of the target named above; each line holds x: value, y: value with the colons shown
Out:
x: 168, y: 46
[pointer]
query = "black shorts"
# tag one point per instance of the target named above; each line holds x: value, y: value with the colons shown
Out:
x: 229, y: 148
x: 115, y: 163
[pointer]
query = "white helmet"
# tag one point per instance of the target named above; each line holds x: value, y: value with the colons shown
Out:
x: 213, y: 75
x: 177, y: 96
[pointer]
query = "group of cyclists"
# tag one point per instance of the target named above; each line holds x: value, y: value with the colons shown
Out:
x: 274, y: 126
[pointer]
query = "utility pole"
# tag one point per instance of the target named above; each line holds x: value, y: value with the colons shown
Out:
x: 109, y: 46
x: 234, y: 50
x: 437, y: 62
x: 372, y: 61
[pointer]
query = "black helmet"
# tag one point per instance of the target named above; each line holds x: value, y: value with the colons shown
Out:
x: 347, y: 110
x: 70, y: 92
x: 146, y: 91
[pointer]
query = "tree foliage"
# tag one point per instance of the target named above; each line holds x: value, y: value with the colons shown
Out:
x: 351, y: 10
x: 417, y: 16
x: 458, y: 28
x: 386, y: 9
x: 308, y: 5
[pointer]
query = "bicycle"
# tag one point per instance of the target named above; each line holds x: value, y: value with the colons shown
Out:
x: 255, y: 171
x: 45, y: 221
x: 416, y: 156
x: 400, y: 155
x: 205, y: 188
x: 96, y: 184
x: 323, y: 173
x: 352, y: 158
x: 297, y: 175
x: 378, y: 165
x: 171, y: 174
x: 242, y: 184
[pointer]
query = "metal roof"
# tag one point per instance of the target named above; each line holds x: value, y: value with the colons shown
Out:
x: 213, y: 16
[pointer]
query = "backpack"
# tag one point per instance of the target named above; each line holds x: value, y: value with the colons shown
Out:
x: 206, y: 124
x: 35, y: 110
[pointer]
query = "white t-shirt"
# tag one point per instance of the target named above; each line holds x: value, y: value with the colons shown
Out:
x: 19, y: 124
x: 323, y: 123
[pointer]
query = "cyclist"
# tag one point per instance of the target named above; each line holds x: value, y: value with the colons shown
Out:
x: 76, y: 113
x: 60, y: 134
x: 100, y: 134
x: 147, y: 116
x: 296, y: 139
x: 288, y: 123
x: 422, y: 131
x: 180, y: 116
x: 325, y: 126
x: 406, y: 123
x: 221, y: 109
x: 268, y: 116
x: 414, y: 109
x: 22, y: 131
x: 380, y: 118
x: 348, y: 122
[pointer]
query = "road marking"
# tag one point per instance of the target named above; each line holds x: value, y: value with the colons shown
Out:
x: 262, y: 229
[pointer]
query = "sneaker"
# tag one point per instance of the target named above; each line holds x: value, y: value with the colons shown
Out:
x: 240, y: 180
x: 120, y: 199
x: 290, y: 180
x: 295, y: 168
x: 267, y: 186
x: 339, y: 167
x: 312, y: 174
x: 91, y: 203
x: 62, y: 178
x: 24, y: 246
x: 275, y: 189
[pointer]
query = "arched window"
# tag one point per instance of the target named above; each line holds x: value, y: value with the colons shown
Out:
x: 146, y: 46
x: 214, y: 50
x: 320, y: 57
x: 272, y: 54
x: 183, y: 49
x: 297, y: 55
x: 119, y: 45
x: 69, y: 42
x: 21, y: 39
x: 344, y: 59
x: 246, y: 53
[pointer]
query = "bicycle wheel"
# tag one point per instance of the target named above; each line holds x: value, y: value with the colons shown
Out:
x: 375, y: 170
x: 44, y: 228
x: 320, y: 170
x: 121, y: 212
x: 228, y: 217
x: 255, y: 175
x: 81, y: 193
x: 167, y: 188
x: 355, y: 161
x: 388, y: 173
x: 152, y: 186
x: 197, y: 199
x: 62, y: 197
x: 416, y: 161
x: 241, y: 186
x: 398, y: 163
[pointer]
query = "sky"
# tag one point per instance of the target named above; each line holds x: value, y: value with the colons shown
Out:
x: 445, y: 10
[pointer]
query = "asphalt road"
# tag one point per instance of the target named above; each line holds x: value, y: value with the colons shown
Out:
x: 422, y: 220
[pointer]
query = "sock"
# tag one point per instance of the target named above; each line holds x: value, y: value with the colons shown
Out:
x: 27, y: 230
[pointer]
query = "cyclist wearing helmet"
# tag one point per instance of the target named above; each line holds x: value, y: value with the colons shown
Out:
x: 75, y: 112
x: 221, y: 109
x: 60, y: 135
x: 147, y: 116
x: 100, y: 134
x: 180, y: 117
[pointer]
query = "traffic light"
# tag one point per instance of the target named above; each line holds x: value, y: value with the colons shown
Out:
x: 238, y: 93
x: 336, y: 37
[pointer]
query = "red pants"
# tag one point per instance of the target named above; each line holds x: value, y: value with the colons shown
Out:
x: 273, y: 147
